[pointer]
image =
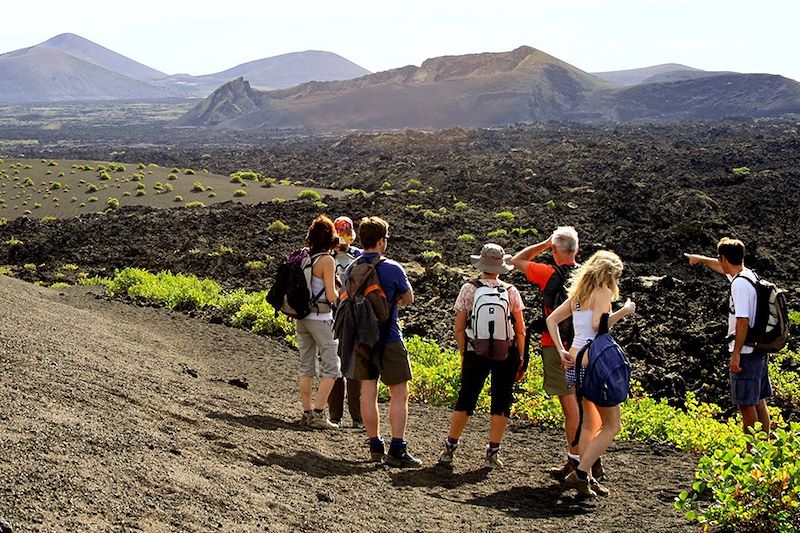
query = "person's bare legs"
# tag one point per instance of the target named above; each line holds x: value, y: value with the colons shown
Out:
x: 398, y: 409
x: 324, y: 389
x: 590, y: 426
x: 497, y: 428
x: 610, y: 421
x: 569, y: 406
x: 369, y: 407
x: 457, y: 424
x: 306, y: 384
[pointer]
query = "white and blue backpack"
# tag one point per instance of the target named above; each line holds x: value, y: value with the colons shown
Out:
x: 490, y: 329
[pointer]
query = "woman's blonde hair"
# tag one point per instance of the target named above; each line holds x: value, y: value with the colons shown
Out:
x: 603, y: 269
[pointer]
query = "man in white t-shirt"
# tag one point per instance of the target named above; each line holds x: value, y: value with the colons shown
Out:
x: 749, y: 378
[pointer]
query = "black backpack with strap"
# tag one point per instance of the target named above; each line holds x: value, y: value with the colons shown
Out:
x: 770, y: 330
x: 290, y: 294
x: 553, y: 295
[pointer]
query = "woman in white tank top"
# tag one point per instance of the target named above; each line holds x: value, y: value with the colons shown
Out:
x: 593, y: 287
x: 318, y: 348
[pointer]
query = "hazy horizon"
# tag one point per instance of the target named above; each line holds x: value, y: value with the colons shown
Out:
x: 594, y: 35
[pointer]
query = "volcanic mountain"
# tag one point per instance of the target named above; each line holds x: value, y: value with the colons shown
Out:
x: 470, y: 90
x: 71, y: 68
x: 492, y: 89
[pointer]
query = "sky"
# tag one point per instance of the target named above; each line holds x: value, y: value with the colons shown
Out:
x: 203, y: 37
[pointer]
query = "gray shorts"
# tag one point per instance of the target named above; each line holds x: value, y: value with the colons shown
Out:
x: 317, y: 345
x: 751, y: 385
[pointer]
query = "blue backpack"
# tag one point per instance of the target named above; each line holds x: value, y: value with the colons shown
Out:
x: 607, y: 380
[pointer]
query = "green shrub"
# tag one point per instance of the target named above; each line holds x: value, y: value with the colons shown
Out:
x: 278, y: 227
x: 245, y: 175
x: 141, y: 192
x: 13, y: 241
x: 268, y: 182
x: 428, y: 213
x: 413, y: 183
x: 497, y: 233
x: 92, y: 199
x: 55, y: 185
x: 431, y: 256
x: 28, y: 182
x: 179, y: 198
x: 92, y: 188
x: 504, y: 215
x: 195, y: 204
x: 756, y: 490
x: 175, y: 291
x: 112, y: 203
x: 212, y: 195
x: 189, y: 172
x: 466, y: 237
x: 278, y: 200
x: 460, y: 206
x: 238, y: 193
x: 104, y: 175
x: 741, y: 172
x: 172, y: 177
x: 255, y: 265
x: 794, y: 317
x: 356, y: 192
x: 198, y: 186
x: 309, y: 194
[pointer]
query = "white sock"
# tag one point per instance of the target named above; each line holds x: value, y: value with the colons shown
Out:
x: 575, y: 457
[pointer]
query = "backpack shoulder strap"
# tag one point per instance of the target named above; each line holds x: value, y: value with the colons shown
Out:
x: 477, y: 283
x: 603, y: 324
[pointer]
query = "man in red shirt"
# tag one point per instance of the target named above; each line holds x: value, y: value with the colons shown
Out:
x: 551, y: 278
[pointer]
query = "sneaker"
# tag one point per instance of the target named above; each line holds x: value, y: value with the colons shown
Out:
x: 564, y: 471
x: 358, y: 424
x: 402, y: 459
x: 305, y: 419
x: 597, y: 469
x: 446, y: 457
x: 581, y: 485
x: 337, y: 421
x: 377, y: 452
x: 598, y: 488
x: 320, y: 421
x: 492, y: 459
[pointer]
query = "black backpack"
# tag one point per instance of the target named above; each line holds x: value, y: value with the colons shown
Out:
x: 290, y: 294
x: 770, y: 331
x: 553, y: 295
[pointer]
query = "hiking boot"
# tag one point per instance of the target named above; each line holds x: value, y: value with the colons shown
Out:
x: 401, y: 458
x: 564, y: 471
x: 320, y: 421
x: 377, y: 452
x: 358, y: 424
x: 581, y: 485
x: 598, y: 488
x: 446, y: 457
x: 305, y: 419
x: 492, y: 459
x: 597, y: 470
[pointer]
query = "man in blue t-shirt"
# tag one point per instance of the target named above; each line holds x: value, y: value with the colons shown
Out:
x: 389, y: 360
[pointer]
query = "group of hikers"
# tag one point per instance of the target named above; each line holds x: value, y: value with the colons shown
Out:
x: 350, y: 338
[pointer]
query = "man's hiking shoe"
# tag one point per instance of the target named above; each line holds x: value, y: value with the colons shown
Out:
x: 581, y: 485
x: 492, y: 459
x: 377, y: 452
x: 446, y: 457
x: 305, y: 419
x: 597, y: 469
x: 320, y: 421
x: 564, y: 471
x: 401, y: 458
x: 358, y: 424
x: 598, y: 488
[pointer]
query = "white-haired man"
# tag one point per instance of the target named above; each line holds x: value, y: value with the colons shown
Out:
x: 550, y: 279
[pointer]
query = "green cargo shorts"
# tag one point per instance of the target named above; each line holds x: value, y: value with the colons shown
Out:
x: 555, y: 384
x: 392, y: 367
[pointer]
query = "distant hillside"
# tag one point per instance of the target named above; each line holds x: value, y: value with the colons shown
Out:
x: 90, y: 52
x: 485, y: 90
x: 46, y: 74
x: 709, y: 98
x: 68, y: 67
x: 471, y: 90
x: 640, y: 75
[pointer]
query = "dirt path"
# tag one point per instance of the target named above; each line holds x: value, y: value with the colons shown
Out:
x: 104, y: 428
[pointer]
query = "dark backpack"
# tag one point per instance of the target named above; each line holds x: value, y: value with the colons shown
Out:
x: 770, y: 331
x: 607, y: 379
x: 362, y: 280
x: 290, y: 294
x: 553, y: 295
